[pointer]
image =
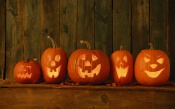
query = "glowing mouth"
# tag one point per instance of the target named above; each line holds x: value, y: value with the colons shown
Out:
x: 153, y: 74
x: 93, y: 73
x: 121, y: 72
x: 53, y: 73
x: 26, y: 75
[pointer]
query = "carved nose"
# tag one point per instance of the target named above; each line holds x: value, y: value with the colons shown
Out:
x: 53, y: 63
x: 153, y: 66
x: 87, y: 63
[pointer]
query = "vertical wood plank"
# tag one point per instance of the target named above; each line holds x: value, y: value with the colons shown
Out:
x: 50, y: 23
x: 140, y: 26
x: 171, y: 38
x: 2, y: 39
x: 121, y: 24
x: 103, y: 26
x: 14, y: 35
x: 85, y: 24
x: 158, y: 24
x: 31, y: 21
x: 68, y: 25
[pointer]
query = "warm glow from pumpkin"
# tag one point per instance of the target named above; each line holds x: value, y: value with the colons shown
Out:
x: 24, y: 75
x: 53, y: 73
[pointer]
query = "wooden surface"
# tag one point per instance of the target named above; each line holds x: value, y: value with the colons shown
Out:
x: 49, y: 96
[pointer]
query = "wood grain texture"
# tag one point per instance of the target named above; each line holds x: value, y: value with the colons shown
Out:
x: 87, y: 97
x: 140, y: 25
x: 2, y: 39
x: 103, y: 26
x: 122, y: 24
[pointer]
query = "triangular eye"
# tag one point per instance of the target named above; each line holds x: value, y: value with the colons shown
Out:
x: 146, y: 59
x: 117, y: 58
x: 160, y: 60
x: 94, y: 58
x: 57, y: 58
x: 82, y: 57
x: 125, y: 58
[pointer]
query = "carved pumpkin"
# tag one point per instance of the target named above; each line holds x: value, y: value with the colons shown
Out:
x: 86, y: 66
x: 54, y: 64
x: 152, y: 67
x: 27, y: 71
x: 122, y: 66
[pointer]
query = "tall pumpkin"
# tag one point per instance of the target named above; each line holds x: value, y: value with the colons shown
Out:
x: 54, y: 64
x: 152, y: 67
x: 122, y: 66
x: 86, y: 66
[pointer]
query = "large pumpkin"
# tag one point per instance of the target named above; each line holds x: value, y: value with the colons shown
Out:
x: 27, y: 71
x: 54, y: 64
x: 122, y: 66
x: 152, y: 67
x: 86, y: 66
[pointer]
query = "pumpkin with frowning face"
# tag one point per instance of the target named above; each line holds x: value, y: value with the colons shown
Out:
x: 152, y: 67
x: 122, y: 66
x: 86, y: 66
x: 54, y: 64
x: 27, y: 71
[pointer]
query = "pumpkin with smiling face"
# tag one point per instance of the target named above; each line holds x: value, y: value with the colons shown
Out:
x: 86, y: 66
x: 152, y: 67
x: 122, y: 66
x: 54, y: 64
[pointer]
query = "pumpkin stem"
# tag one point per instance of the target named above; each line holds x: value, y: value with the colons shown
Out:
x: 151, y: 46
x: 52, y: 41
x: 34, y: 59
x: 121, y: 47
x: 87, y: 44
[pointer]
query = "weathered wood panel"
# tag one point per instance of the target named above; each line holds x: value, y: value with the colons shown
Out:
x: 171, y: 34
x: 122, y: 24
x: 87, y: 97
x: 103, y: 25
x: 2, y: 39
x: 68, y: 25
x: 140, y: 25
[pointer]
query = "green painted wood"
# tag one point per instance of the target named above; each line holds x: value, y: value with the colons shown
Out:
x: 158, y: 24
x: 85, y: 24
x: 103, y: 26
x: 171, y: 38
x: 140, y: 26
x: 2, y: 39
x: 14, y: 35
x: 121, y: 24
x: 68, y: 25
x: 50, y: 23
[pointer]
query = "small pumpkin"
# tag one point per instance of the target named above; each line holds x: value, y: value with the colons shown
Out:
x: 54, y: 64
x: 152, y: 67
x: 86, y: 66
x: 122, y: 66
x: 27, y: 72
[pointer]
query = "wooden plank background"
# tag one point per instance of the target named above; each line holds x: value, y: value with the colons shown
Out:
x: 106, y: 24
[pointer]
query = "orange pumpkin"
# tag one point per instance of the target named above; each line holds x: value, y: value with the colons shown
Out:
x: 27, y: 71
x: 86, y: 66
x: 54, y: 64
x: 122, y: 66
x: 152, y: 67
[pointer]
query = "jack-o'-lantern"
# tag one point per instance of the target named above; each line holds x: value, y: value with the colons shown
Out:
x: 27, y: 72
x: 54, y: 64
x: 122, y: 66
x: 86, y: 66
x: 152, y: 67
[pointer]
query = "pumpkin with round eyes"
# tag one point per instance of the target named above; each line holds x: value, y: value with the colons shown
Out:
x: 122, y: 66
x: 152, y: 67
x: 54, y: 64
x: 86, y: 66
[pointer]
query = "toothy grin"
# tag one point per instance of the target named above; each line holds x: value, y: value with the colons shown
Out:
x: 93, y: 72
x: 121, y: 72
x: 26, y: 75
x: 53, y: 73
x: 154, y: 74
